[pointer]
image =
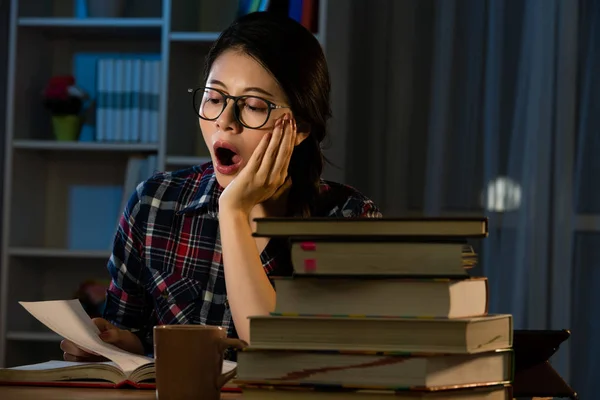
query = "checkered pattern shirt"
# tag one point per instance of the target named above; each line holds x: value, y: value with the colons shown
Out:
x: 167, y: 263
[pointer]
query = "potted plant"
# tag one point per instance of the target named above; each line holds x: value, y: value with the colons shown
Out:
x: 64, y: 100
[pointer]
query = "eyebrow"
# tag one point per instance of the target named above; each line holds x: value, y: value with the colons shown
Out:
x: 248, y: 89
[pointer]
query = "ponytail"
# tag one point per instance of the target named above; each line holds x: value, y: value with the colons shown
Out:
x: 306, y: 167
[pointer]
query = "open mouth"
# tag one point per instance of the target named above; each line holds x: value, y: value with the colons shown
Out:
x: 227, y: 158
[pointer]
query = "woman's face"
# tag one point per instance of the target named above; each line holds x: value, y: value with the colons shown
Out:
x: 230, y: 143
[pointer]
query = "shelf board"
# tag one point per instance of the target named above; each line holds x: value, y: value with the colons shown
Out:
x: 33, y: 336
x: 118, y: 27
x: 185, y: 161
x: 110, y: 23
x: 31, y: 252
x: 197, y: 37
x: 84, y: 146
x: 200, y: 37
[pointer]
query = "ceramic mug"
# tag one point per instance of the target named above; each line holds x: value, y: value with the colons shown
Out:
x: 189, y: 361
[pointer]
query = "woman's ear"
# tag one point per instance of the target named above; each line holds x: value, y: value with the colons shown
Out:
x: 303, y: 130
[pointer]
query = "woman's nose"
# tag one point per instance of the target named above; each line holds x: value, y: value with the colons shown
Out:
x: 227, y: 120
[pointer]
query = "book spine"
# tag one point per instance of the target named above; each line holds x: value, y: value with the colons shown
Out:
x: 135, y: 99
x: 101, y: 100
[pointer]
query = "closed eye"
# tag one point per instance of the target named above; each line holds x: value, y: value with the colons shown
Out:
x: 254, y: 104
x: 256, y: 109
x: 213, y: 100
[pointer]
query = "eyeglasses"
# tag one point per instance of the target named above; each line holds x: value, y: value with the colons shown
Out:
x: 251, y: 111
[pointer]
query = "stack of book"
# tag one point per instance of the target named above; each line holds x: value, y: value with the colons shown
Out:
x: 378, y: 307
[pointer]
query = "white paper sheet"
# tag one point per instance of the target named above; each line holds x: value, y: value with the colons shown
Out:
x: 68, y: 319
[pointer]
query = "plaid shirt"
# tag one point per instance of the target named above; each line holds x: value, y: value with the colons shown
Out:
x: 167, y: 263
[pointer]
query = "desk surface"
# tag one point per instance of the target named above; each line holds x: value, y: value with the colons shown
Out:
x: 58, y: 393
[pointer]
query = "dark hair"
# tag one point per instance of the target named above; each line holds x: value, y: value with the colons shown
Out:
x: 295, y: 58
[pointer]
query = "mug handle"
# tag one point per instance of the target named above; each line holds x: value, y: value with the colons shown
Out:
x: 224, y: 344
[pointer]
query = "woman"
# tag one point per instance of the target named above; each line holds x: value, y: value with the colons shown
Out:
x: 184, y: 251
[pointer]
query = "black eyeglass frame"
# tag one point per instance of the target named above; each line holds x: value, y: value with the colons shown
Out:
x: 236, y: 109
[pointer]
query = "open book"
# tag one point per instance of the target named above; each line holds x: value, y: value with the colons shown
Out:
x: 68, y: 319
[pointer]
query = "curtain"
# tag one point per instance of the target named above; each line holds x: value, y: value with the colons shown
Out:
x: 489, y: 107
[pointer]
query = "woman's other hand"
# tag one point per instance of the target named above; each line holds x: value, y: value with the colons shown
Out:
x: 109, y: 333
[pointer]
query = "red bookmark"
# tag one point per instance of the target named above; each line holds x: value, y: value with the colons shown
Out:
x: 308, y: 246
x: 310, y: 265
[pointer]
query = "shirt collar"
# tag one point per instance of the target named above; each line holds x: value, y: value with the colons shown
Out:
x: 206, y: 197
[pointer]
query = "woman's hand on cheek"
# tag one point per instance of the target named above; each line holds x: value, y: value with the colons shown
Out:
x: 266, y: 171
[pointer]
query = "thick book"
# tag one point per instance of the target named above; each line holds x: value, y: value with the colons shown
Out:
x: 68, y: 319
x: 398, y: 297
x: 462, y: 336
x: 340, y: 258
x: 401, y: 370
x: 323, y: 227
x: 335, y: 392
x: 101, y: 374
x: 82, y: 374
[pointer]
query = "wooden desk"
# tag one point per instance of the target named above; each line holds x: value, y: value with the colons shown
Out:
x: 58, y: 393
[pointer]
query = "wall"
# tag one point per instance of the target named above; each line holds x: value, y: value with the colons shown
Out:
x: 4, y: 14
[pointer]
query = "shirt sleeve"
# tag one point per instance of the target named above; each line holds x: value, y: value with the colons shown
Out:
x: 360, y: 207
x: 127, y: 306
x: 368, y: 209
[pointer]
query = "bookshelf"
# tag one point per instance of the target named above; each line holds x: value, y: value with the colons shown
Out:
x: 37, y: 262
